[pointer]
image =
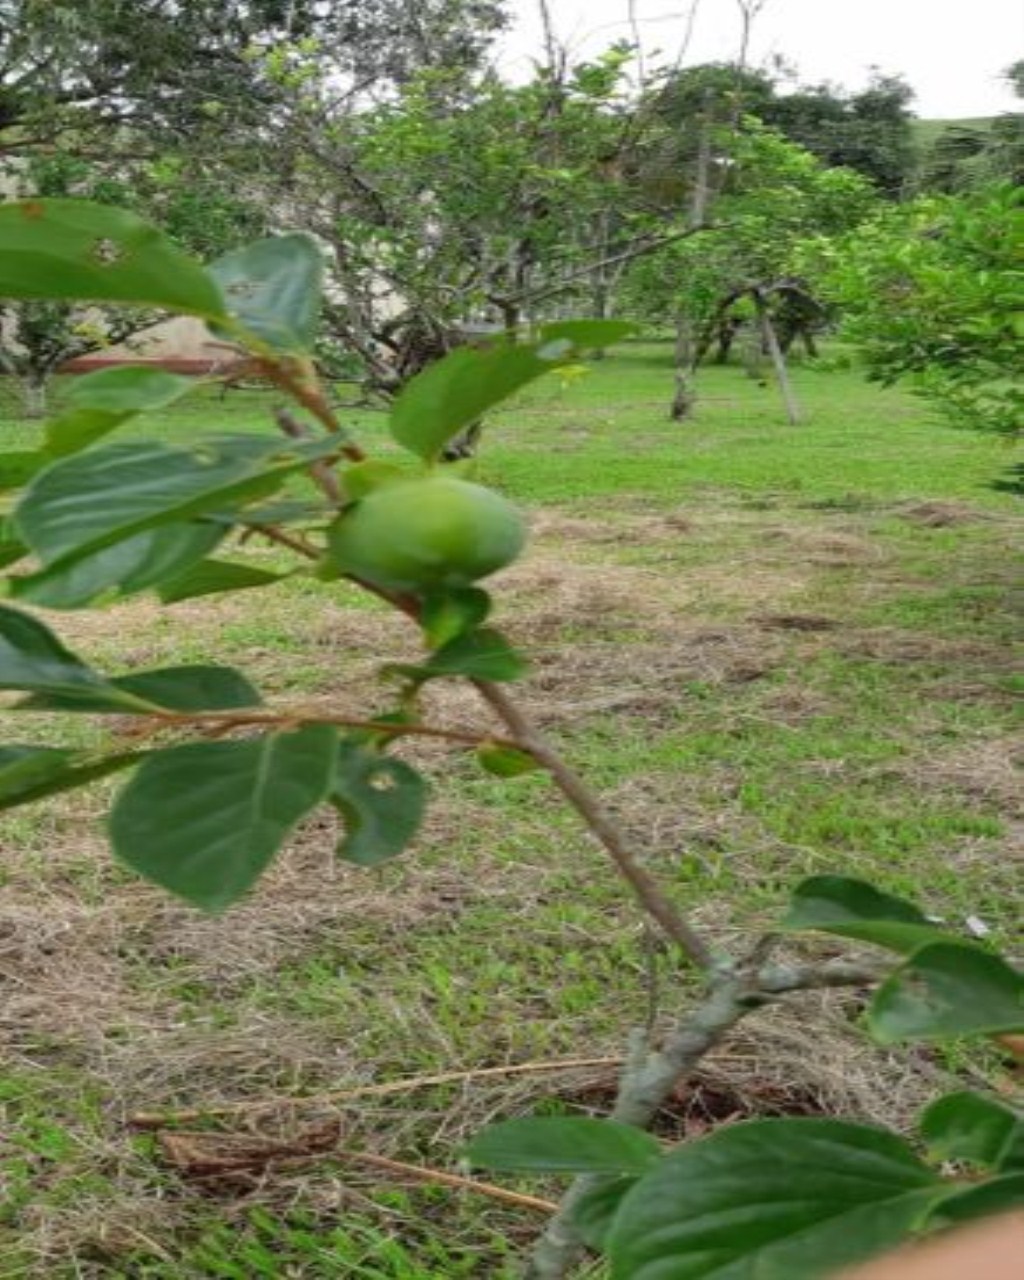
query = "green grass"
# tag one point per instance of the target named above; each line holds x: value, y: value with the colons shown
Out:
x: 774, y: 650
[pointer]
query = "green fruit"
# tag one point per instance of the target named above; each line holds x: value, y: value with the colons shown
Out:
x: 427, y: 534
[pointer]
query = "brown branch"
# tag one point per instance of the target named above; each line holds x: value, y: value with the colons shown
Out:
x: 651, y: 1077
x: 293, y: 377
x: 321, y: 471
x: 626, y: 255
x: 290, y: 540
x: 226, y: 720
x: 646, y: 889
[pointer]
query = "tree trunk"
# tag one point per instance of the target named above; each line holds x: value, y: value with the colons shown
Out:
x: 771, y: 343
x: 685, y: 398
x: 600, y: 306
x: 34, y: 398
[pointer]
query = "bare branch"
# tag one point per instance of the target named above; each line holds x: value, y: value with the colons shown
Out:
x: 648, y: 1081
x: 646, y: 889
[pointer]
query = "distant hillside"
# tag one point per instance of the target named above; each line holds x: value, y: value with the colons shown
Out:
x: 927, y: 132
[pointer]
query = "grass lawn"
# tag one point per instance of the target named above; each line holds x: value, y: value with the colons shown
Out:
x: 775, y: 651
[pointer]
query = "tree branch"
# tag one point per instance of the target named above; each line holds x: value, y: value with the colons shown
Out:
x: 627, y: 255
x: 646, y: 889
x: 224, y: 721
x: 649, y: 1079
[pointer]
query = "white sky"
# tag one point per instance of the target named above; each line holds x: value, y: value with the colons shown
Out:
x: 951, y: 51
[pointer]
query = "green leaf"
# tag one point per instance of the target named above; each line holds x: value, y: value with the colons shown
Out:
x: 968, y: 1126
x: 779, y: 1199
x: 363, y: 477
x: 76, y: 250
x: 587, y: 335
x: 206, y: 819
x: 131, y: 566
x: 273, y: 289
x: 855, y: 909
x: 98, y: 402
x: 565, y: 1144
x: 382, y: 801
x: 94, y: 499
x: 982, y: 1201
x: 484, y: 654
x: 30, y: 773
x: 448, y: 396
x: 11, y: 548
x: 595, y: 1210
x: 447, y: 614
x: 213, y: 576
x: 34, y: 660
x: 18, y: 467
x: 190, y: 688
x: 505, y: 762
x: 948, y: 989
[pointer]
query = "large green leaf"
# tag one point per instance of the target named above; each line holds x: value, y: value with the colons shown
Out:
x: 12, y: 548
x: 450, y: 613
x: 213, y: 576
x: 588, y: 335
x: 98, y: 402
x: 133, y: 565
x: 483, y: 654
x: 446, y: 397
x: 775, y: 1199
x: 34, y: 660
x: 948, y: 989
x: 381, y: 800
x: 564, y: 1144
x: 206, y: 819
x: 595, y: 1210
x: 855, y: 909
x: 77, y: 250
x: 30, y: 773
x: 188, y: 688
x: 19, y: 466
x: 969, y: 1126
x: 94, y: 499
x: 273, y: 289
x: 1000, y: 1195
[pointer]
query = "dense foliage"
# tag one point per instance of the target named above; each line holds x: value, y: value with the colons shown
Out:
x: 934, y: 293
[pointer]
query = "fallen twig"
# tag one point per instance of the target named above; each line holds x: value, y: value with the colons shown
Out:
x: 163, y: 1120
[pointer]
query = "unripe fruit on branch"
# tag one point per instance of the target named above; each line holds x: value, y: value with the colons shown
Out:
x: 421, y: 535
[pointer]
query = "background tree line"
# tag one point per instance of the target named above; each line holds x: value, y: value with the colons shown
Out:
x: 451, y: 203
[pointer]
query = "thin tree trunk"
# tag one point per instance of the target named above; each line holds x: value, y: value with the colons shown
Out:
x: 34, y: 398
x: 685, y: 397
x: 771, y: 343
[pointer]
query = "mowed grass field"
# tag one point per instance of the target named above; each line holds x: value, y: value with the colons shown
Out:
x: 774, y: 650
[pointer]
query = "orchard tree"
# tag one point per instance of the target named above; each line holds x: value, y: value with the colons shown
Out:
x: 143, y: 73
x: 868, y: 131
x: 934, y: 295
x: 464, y: 205
x: 218, y: 777
x: 773, y: 195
